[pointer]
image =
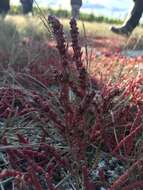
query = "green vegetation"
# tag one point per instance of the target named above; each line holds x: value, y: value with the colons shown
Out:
x: 61, y: 13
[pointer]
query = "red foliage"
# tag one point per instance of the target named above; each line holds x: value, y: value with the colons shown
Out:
x: 84, y: 111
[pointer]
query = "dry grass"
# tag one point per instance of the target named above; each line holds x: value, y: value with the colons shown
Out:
x: 92, y: 28
x: 28, y: 26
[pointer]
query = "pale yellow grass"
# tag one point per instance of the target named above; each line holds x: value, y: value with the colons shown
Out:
x: 92, y: 28
x: 27, y: 25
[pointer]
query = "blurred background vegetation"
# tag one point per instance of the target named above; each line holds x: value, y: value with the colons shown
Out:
x: 61, y: 13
